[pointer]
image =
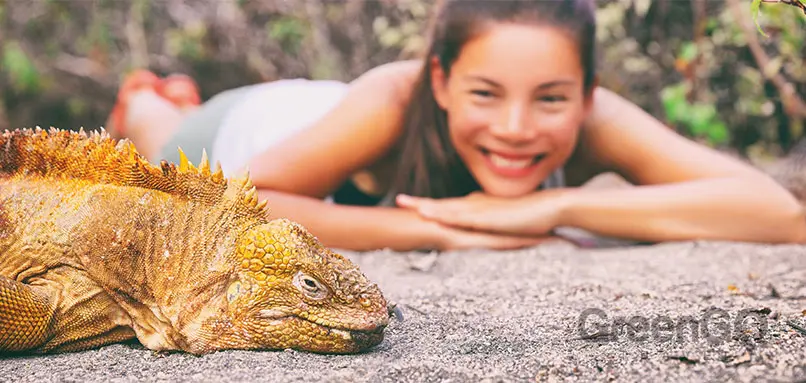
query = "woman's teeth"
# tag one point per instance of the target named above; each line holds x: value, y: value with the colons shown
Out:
x: 510, y: 163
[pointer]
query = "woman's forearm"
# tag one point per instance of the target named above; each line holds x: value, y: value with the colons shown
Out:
x: 715, y: 209
x: 354, y: 227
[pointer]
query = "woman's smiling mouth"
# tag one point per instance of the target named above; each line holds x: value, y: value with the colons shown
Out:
x: 509, y: 165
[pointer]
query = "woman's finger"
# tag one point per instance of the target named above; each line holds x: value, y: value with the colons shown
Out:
x: 405, y: 200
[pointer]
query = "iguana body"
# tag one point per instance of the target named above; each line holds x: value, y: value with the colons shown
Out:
x: 99, y: 246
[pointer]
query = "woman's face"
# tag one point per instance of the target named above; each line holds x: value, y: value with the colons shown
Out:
x: 515, y: 101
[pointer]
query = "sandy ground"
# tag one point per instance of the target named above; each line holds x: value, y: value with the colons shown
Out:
x: 516, y: 316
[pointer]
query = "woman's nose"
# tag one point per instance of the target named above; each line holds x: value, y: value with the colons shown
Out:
x: 513, y: 125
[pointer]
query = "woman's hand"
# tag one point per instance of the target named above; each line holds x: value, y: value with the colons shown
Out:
x: 446, y: 237
x: 535, y: 215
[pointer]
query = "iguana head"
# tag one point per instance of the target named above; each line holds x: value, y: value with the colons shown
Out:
x: 291, y: 292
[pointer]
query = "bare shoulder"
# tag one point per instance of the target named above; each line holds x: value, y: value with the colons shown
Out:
x: 359, y: 131
x: 401, y: 69
x: 620, y: 137
x: 398, y: 76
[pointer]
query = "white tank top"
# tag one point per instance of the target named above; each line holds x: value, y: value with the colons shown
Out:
x: 269, y: 113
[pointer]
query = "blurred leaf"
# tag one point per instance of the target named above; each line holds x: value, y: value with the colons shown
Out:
x: 289, y: 32
x: 187, y: 42
x: 77, y: 106
x: 700, y: 118
x: 754, y: 8
x: 19, y: 68
x: 711, y: 25
x: 688, y: 51
x: 390, y: 37
x: 718, y: 133
x: 674, y: 101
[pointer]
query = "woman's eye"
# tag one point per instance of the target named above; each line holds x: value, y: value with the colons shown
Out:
x: 552, y: 98
x: 482, y: 93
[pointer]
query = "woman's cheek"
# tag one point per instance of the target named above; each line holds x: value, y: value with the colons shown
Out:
x: 473, y: 118
x: 560, y: 125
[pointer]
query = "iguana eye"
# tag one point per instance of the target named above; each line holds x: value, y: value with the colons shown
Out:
x: 310, y: 286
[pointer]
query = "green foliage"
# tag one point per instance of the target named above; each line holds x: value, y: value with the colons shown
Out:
x: 408, y: 34
x: 187, y: 43
x: 688, y: 52
x: 755, y: 9
x: 19, y: 68
x: 289, y: 31
x: 701, y: 119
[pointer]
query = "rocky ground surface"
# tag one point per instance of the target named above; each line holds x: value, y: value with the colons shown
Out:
x: 673, y: 312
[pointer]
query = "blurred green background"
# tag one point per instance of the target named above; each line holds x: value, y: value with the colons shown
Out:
x: 702, y: 66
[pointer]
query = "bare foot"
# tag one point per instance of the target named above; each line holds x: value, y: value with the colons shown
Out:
x: 181, y: 90
x: 134, y: 82
x: 150, y: 121
x: 150, y: 109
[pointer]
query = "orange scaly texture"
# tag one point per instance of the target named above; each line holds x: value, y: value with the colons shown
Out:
x: 99, y: 246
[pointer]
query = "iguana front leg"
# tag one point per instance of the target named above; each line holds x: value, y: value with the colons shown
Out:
x: 26, y: 318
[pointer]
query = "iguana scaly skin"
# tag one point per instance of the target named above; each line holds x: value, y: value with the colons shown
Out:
x: 99, y: 246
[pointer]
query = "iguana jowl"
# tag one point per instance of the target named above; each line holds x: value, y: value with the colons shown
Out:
x: 98, y: 246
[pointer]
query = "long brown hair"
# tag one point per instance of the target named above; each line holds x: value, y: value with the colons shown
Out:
x: 428, y: 164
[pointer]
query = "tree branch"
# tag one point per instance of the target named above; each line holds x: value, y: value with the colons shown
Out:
x: 795, y: 3
x: 793, y: 103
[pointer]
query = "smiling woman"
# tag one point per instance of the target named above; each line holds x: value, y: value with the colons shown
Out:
x: 482, y: 143
x: 512, y: 122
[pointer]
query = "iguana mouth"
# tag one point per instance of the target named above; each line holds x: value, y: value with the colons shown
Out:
x: 361, y: 338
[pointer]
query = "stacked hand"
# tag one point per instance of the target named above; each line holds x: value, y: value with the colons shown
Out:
x: 480, y: 220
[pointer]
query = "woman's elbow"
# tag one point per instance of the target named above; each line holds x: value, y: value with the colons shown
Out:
x: 799, y: 235
x: 794, y: 218
x: 786, y: 212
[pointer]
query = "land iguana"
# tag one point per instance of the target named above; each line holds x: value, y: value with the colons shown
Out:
x: 98, y: 246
